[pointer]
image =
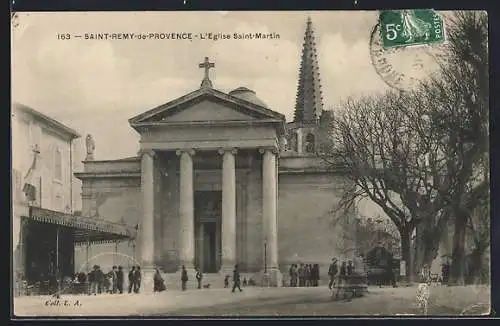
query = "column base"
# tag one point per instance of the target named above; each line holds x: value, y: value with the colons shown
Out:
x: 271, y: 278
x: 147, y: 279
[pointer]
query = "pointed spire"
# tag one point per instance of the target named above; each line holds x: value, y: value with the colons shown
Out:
x: 309, y: 101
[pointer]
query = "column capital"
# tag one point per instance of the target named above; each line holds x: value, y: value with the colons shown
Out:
x: 148, y: 152
x: 273, y: 150
x: 231, y: 150
x: 190, y: 151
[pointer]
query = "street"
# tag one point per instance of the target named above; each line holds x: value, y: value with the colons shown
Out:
x: 255, y: 301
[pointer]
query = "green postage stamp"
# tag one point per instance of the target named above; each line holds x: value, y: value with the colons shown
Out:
x: 400, y: 28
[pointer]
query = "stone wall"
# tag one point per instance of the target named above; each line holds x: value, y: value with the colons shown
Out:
x: 306, y: 231
x: 115, y: 200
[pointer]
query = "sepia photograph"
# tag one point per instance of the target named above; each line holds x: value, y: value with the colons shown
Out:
x: 250, y: 163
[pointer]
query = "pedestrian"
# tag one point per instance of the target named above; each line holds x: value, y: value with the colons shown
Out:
x: 290, y: 273
x: 184, y: 278
x: 445, y: 272
x: 350, y: 268
x: 137, y: 279
x: 158, y: 282
x: 236, y: 279
x: 226, y: 281
x: 301, y: 273
x: 94, y: 284
x: 100, y: 279
x: 199, y: 277
x: 308, y: 275
x: 294, y: 275
x: 332, y: 273
x: 131, y: 279
x: 316, y: 274
x: 119, y: 280
x: 114, y: 281
x: 343, y: 272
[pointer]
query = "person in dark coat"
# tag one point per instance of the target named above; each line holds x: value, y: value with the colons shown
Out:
x: 158, y: 282
x: 294, y: 275
x: 131, y: 279
x: 350, y: 268
x: 119, y: 280
x: 92, y: 281
x: 316, y: 274
x: 99, y: 276
x: 445, y: 272
x: 302, y: 273
x: 137, y: 279
x: 308, y: 275
x: 199, y: 277
x: 184, y: 277
x: 343, y: 271
x: 226, y: 281
x: 236, y: 279
x: 332, y: 273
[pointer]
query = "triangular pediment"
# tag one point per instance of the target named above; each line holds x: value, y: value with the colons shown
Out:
x: 208, y: 110
x: 205, y: 105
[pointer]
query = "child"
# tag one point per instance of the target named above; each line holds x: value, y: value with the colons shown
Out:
x: 226, y: 281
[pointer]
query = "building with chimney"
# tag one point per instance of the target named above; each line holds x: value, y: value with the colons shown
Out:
x: 223, y: 179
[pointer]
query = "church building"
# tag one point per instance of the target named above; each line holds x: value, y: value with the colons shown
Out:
x: 222, y: 179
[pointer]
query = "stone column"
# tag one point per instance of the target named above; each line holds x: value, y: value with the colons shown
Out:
x: 228, y: 209
x: 269, y: 214
x: 147, y: 227
x: 186, y: 208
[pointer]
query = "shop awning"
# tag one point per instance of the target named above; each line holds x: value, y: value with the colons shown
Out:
x: 93, y: 230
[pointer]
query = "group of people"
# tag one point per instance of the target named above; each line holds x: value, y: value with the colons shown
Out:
x: 304, y: 275
x: 334, y: 272
x: 199, y: 279
x: 97, y: 282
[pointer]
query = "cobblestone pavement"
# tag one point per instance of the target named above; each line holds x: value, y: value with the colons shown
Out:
x: 260, y: 302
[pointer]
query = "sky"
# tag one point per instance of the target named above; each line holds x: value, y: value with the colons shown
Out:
x: 95, y: 86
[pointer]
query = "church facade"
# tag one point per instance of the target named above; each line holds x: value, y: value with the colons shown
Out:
x: 222, y: 179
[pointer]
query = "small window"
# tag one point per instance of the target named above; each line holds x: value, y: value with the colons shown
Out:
x: 58, y: 165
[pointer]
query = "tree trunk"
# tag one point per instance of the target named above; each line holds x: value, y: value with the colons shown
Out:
x: 406, y: 252
x: 428, y: 240
x: 458, y: 254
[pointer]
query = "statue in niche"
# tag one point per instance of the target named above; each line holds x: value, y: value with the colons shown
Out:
x: 89, y: 142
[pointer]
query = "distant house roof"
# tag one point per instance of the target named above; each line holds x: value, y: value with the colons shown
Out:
x: 50, y: 121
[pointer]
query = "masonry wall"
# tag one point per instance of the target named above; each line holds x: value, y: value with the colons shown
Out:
x: 306, y: 232
x: 115, y: 200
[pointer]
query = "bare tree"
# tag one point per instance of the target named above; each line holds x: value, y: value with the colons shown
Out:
x: 390, y: 154
x: 458, y: 102
x: 414, y: 154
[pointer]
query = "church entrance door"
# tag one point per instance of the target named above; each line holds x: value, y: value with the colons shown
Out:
x: 209, y: 247
x: 208, y: 230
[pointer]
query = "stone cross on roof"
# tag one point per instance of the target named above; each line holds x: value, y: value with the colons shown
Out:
x: 206, y: 65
